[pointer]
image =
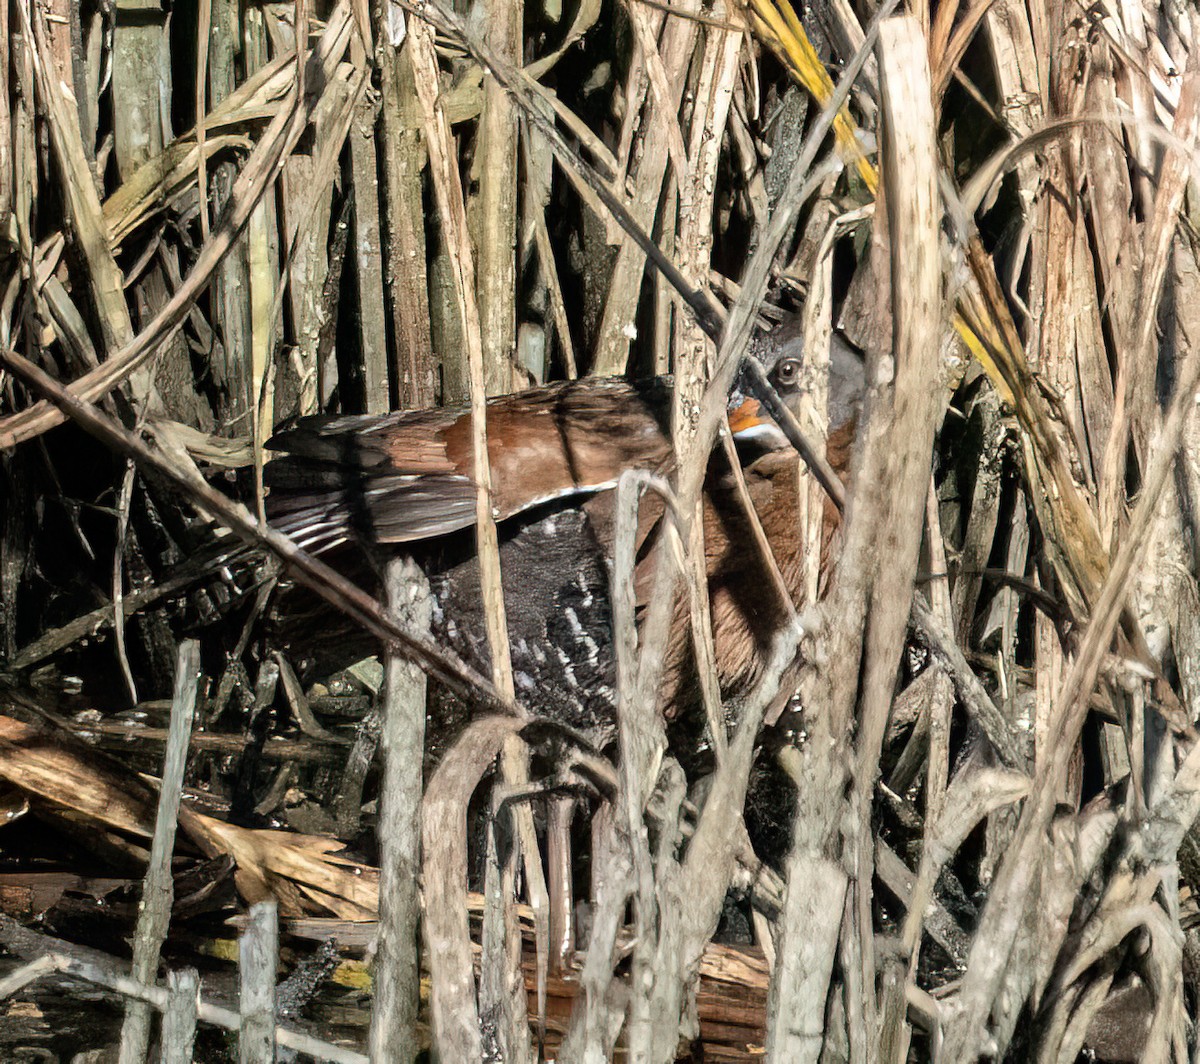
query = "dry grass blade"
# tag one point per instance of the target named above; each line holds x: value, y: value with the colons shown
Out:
x: 496, y: 206
x: 203, y: 31
x: 869, y: 604
x: 1133, y: 396
x: 501, y: 982
x: 158, y: 889
x: 451, y: 205
x: 1018, y: 872
x: 259, y: 173
x: 83, y: 204
x: 642, y: 743
x: 6, y: 144
x: 301, y: 869
x: 454, y: 1015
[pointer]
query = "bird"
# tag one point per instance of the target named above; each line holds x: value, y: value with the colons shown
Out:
x: 371, y: 484
x: 403, y: 481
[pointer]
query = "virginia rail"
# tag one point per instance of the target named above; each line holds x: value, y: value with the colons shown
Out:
x: 404, y: 478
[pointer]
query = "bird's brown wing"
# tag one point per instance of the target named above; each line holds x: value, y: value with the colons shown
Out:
x: 407, y: 476
x: 563, y: 439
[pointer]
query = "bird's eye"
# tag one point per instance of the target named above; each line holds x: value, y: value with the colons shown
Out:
x: 787, y: 373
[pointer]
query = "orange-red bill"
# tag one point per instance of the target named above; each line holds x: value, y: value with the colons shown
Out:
x: 747, y: 415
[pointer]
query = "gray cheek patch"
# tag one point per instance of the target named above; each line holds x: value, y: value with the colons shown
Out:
x: 847, y: 381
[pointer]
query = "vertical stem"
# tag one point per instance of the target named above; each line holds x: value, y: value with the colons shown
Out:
x: 232, y: 281
x: 415, y: 366
x: 496, y: 231
x: 179, y: 1017
x: 393, y: 1034
x: 368, y: 257
x: 258, y: 957
x: 154, y: 915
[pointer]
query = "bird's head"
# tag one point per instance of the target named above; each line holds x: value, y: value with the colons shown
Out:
x: 795, y: 378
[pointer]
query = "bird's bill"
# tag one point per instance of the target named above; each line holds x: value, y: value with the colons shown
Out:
x: 750, y: 422
x: 746, y: 414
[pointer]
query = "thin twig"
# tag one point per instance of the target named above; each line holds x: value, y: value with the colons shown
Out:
x: 158, y: 894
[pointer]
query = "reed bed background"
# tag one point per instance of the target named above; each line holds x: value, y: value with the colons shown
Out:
x: 217, y: 215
